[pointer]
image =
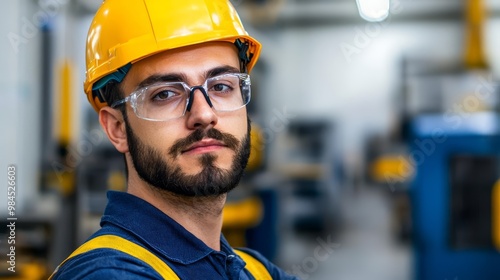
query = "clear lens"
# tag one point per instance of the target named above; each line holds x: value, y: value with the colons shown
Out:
x: 161, y: 101
x: 165, y: 101
x: 226, y: 92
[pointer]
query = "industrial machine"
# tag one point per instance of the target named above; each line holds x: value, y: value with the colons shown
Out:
x: 452, y: 196
x: 455, y: 153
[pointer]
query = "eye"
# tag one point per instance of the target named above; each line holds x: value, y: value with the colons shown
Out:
x: 167, y: 92
x: 221, y: 88
x: 164, y: 95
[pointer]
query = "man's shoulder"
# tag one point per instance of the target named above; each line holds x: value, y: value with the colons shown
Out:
x: 276, y: 272
x: 105, y: 263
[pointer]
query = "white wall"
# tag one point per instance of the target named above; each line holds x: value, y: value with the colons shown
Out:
x: 492, y: 39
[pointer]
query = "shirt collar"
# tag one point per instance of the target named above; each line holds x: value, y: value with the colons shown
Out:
x: 153, y: 227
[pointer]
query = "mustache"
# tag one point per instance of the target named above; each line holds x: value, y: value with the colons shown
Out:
x: 182, y: 144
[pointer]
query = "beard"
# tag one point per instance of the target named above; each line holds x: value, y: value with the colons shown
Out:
x: 211, y: 181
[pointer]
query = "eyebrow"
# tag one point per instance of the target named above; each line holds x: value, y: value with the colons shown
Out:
x: 156, y: 78
x: 221, y: 70
x: 180, y: 77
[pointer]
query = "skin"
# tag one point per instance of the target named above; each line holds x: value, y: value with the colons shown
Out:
x: 202, y: 216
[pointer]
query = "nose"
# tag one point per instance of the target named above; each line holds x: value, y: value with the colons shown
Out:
x: 191, y: 95
x: 200, y: 113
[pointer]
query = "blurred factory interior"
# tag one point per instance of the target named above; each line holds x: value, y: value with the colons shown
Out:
x: 376, y: 138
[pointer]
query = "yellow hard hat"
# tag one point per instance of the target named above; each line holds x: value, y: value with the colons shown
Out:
x: 124, y: 32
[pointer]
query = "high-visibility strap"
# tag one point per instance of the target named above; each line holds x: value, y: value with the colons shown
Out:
x: 255, y: 267
x: 128, y: 247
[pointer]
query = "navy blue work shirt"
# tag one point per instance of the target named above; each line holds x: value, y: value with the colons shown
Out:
x: 136, y: 220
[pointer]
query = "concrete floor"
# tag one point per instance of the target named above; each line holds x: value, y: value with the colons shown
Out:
x: 365, y: 248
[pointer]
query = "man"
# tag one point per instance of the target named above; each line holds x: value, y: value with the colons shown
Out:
x: 170, y: 82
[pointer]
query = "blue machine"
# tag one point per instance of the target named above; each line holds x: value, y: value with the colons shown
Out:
x: 456, y: 159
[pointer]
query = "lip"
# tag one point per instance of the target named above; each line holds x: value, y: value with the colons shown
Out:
x: 205, y: 145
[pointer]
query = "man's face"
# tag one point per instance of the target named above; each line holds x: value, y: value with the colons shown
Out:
x: 203, y: 153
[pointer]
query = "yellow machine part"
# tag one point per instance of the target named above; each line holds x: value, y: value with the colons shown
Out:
x: 240, y: 216
x: 65, y: 103
x: 243, y: 214
x: 256, y: 149
x: 495, y: 203
x: 391, y: 167
x: 63, y: 176
x: 117, y: 181
x: 474, y: 50
x: 29, y: 271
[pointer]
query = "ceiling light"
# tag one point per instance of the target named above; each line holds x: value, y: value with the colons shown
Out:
x: 373, y: 10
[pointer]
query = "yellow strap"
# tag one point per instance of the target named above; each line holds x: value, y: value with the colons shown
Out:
x: 128, y: 247
x: 256, y: 268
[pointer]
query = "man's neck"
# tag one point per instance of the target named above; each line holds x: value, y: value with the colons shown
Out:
x: 202, y: 216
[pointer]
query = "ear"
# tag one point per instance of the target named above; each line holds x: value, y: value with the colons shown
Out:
x: 114, y: 125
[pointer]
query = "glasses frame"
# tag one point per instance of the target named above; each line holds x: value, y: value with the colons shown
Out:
x: 132, y: 98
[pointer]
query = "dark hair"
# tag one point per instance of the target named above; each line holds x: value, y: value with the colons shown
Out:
x: 113, y: 92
